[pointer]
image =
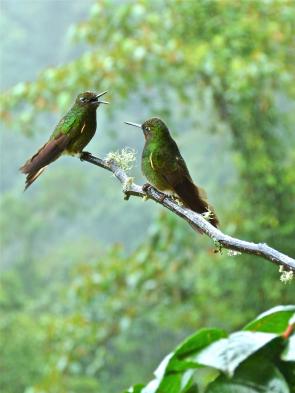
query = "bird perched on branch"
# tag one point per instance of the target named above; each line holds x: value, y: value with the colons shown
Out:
x: 71, y: 135
x: 166, y: 170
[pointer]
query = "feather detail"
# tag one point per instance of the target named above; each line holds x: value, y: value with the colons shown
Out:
x: 151, y: 160
x: 48, y: 153
x: 191, y: 196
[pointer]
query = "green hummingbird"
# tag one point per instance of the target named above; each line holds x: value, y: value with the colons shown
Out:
x: 71, y: 135
x: 166, y: 170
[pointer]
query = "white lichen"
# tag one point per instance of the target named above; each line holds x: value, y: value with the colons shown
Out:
x: 233, y: 253
x: 127, y: 184
x: 286, y: 275
x: 124, y: 158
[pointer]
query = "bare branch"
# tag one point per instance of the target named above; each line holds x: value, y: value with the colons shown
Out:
x: 196, y: 220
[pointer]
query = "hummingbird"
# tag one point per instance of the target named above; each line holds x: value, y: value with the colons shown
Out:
x: 70, y: 136
x: 166, y: 170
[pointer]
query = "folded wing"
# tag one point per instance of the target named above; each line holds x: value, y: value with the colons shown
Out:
x: 176, y: 174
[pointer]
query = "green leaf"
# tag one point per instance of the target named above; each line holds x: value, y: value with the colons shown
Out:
x: 274, y: 320
x: 176, y: 362
x: 175, y: 383
x: 198, y: 340
x: 169, y: 383
x: 191, y: 345
x: 288, y: 370
x: 292, y: 320
x: 193, y: 389
x: 226, y: 354
x: 289, y: 353
x: 135, y: 389
x: 256, y: 375
x: 161, y: 370
x: 176, y: 365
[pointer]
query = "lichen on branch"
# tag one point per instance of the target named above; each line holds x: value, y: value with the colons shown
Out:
x: 119, y: 162
x: 124, y: 158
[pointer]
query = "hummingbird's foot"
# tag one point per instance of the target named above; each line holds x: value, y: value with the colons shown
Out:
x: 84, y: 155
x: 162, y: 197
x: 146, y: 187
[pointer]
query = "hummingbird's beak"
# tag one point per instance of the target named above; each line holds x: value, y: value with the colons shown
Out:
x: 132, y: 124
x: 100, y: 95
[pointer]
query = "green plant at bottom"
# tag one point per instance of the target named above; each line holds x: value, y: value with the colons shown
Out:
x: 259, y: 358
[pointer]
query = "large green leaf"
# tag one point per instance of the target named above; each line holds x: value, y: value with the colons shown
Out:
x: 174, y: 372
x: 288, y: 371
x: 226, y: 354
x: 289, y: 352
x: 177, y: 361
x: 275, y: 320
x: 256, y: 375
x: 213, y: 348
x: 198, y: 340
x: 193, y: 389
x: 135, y: 389
x: 174, y: 383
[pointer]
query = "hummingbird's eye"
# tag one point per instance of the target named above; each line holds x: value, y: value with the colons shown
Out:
x: 148, y: 128
x: 83, y: 99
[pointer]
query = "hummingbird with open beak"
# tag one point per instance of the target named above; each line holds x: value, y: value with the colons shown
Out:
x: 166, y: 170
x: 71, y: 135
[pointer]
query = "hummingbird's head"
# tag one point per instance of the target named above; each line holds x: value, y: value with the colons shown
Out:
x: 152, y: 127
x: 90, y: 99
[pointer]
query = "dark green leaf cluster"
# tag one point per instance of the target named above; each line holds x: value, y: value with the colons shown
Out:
x: 259, y: 358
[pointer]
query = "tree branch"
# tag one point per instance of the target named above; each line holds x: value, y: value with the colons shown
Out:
x: 197, y: 221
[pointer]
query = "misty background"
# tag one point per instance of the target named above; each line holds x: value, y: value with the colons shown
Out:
x: 95, y: 290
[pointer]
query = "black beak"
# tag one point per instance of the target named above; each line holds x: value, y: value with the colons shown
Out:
x: 100, y: 95
x: 132, y: 124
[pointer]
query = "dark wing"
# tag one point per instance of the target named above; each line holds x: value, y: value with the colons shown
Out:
x: 46, y: 155
x: 174, y: 170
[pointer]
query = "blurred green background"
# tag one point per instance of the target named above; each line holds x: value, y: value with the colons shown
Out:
x: 96, y: 290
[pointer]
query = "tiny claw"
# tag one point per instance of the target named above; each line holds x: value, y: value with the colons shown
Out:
x: 146, y: 187
x: 126, y: 197
x: 84, y: 155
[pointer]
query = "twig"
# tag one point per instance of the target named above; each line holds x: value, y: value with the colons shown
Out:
x: 196, y: 220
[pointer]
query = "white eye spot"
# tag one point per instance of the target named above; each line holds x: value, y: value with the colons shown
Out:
x: 148, y: 128
x: 82, y: 99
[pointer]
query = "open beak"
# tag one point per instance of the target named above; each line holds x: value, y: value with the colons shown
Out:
x: 100, y: 95
x: 132, y: 124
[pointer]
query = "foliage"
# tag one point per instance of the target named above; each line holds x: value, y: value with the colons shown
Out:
x: 121, y: 305
x: 22, y: 352
x: 257, y: 359
x: 82, y: 313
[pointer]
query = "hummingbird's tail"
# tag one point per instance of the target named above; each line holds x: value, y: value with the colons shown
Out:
x: 48, y: 153
x: 195, y: 198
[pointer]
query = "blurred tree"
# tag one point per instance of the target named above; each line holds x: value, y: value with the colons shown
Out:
x: 115, y: 310
x: 239, y: 58
x: 240, y: 54
x: 22, y: 352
